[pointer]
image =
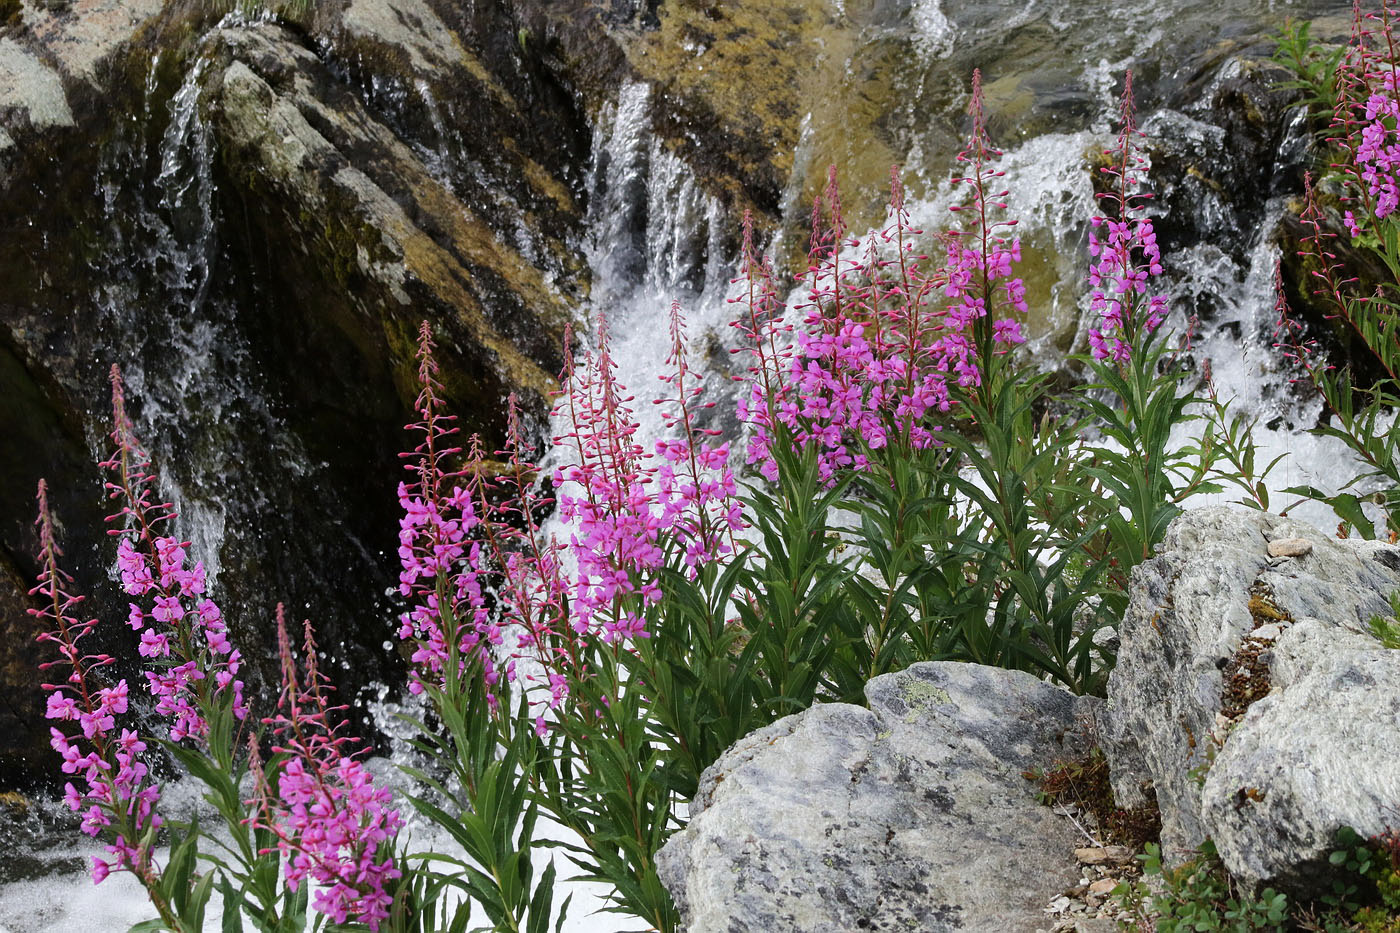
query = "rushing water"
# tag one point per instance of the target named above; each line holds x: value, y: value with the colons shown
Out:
x: 655, y: 235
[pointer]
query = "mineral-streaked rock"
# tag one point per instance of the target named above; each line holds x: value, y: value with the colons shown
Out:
x: 912, y: 814
x: 1290, y: 547
x: 1313, y: 747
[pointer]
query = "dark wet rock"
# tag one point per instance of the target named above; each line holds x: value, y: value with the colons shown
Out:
x: 264, y: 306
x: 21, y: 700
x: 370, y: 224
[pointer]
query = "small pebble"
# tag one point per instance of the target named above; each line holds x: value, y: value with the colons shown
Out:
x: 1269, y: 632
x: 1290, y: 547
x: 1104, y: 855
x: 1102, y: 886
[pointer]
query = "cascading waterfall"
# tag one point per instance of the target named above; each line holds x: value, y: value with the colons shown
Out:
x: 180, y: 350
x: 654, y: 236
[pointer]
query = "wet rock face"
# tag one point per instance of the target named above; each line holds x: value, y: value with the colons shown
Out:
x: 232, y: 217
x: 1251, y: 695
x: 365, y: 220
x: 905, y: 815
x: 21, y: 704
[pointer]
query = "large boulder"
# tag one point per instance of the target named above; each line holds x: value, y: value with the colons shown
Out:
x: 906, y: 815
x: 1252, y: 696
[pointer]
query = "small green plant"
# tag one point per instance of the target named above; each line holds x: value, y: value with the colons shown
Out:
x: 1314, y: 67
x: 1198, y: 896
x: 1364, y: 897
x: 1387, y: 629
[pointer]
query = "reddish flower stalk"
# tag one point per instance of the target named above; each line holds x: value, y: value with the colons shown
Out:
x: 765, y: 339
x: 118, y: 797
x: 534, y: 591
x: 440, y: 550
x: 332, y: 824
x: 1334, y: 286
x: 697, y: 493
x: 1289, y: 337
x: 1128, y: 257
x: 913, y: 328
x: 182, y: 630
x: 874, y: 357
x: 987, y: 300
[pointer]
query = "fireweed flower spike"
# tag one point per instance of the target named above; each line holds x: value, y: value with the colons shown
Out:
x: 332, y: 824
x: 911, y: 327
x: 764, y: 337
x: 1126, y: 256
x: 440, y: 549
x: 604, y: 496
x: 987, y: 300
x: 115, y: 794
x: 533, y: 590
x: 696, y: 489
x: 1365, y: 122
x: 182, y: 630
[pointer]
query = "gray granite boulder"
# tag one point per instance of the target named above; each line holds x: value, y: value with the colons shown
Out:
x: 1322, y: 750
x: 910, y: 815
x: 1251, y: 696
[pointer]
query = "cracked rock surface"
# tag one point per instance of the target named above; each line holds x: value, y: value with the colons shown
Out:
x: 1252, y: 696
x: 910, y: 815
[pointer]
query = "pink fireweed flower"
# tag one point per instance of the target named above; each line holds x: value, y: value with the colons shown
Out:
x: 534, y: 587
x: 987, y: 300
x: 1331, y: 282
x: 1124, y: 247
x: 116, y: 798
x: 182, y: 631
x: 764, y: 337
x: 1365, y: 120
x: 332, y: 824
x: 441, y: 553
x: 884, y: 342
x: 604, y: 495
x: 696, y: 491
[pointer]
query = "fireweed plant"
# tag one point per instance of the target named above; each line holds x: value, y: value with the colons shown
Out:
x: 307, y: 810
x: 915, y: 490
x: 1353, y: 277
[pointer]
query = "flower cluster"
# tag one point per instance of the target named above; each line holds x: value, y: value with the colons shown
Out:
x: 1127, y: 255
x: 628, y: 509
x: 1378, y: 155
x: 182, y: 631
x: 117, y: 796
x: 980, y: 279
x: 1365, y: 120
x: 331, y: 822
x: 764, y: 336
x: 695, y: 486
x: 533, y: 589
x: 882, y: 341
